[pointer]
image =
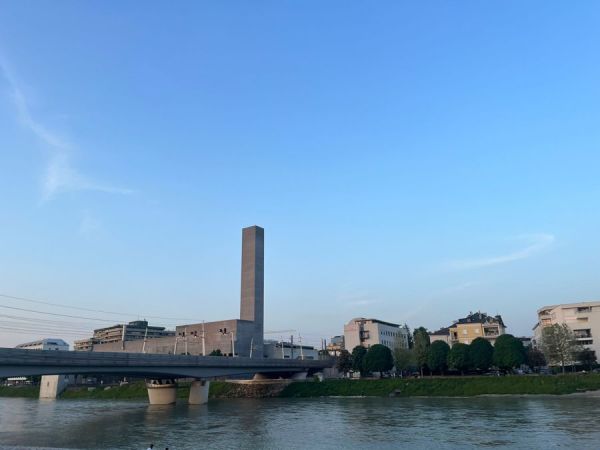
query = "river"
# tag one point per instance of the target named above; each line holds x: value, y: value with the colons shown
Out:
x: 334, y: 423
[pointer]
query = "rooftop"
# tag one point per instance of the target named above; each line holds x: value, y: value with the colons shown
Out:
x: 480, y: 317
x: 362, y: 319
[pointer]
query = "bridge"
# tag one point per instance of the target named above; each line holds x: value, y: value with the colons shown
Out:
x: 161, y: 369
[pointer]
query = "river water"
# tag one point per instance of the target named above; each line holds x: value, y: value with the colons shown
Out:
x: 334, y: 423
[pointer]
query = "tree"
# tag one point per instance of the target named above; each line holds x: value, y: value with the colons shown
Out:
x: 379, y: 359
x: 344, y: 362
x: 404, y: 359
x: 421, y: 344
x: 358, y: 359
x: 587, y: 357
x: 459, y: 358
x: 559, y: 345
x: 534, y: 358
x: 216, y: 352
x: 482, y: 353
x: 508, y: 352
x: 437, y: 359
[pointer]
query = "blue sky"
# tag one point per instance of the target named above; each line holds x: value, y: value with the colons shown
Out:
x: 410, y: 162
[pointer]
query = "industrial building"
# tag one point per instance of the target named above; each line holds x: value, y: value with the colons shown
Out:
x: 234, y: 337
x: 119, y: 333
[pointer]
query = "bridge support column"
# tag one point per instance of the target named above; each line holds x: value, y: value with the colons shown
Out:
x: 162, y: 392
x: 199, y: 392
x: 51, y: 386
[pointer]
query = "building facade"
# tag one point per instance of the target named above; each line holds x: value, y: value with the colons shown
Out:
x: 471, y: 327
x: 443, y: 334
x: 287, y: 350
x: 476, y: 325
x: 45, y: 344
x: 119, y: 333
x: 336, y: 345
x: 368, y: 332
x: 582, y: 318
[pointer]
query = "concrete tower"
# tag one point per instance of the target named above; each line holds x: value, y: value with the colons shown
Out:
x: 252, y: 303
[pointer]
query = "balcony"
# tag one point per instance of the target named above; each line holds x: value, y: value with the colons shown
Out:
x: 582, y: 334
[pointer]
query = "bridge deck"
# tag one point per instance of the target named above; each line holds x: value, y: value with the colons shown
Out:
x: 14, y: 362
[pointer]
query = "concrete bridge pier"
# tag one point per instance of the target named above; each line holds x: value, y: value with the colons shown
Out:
x: 162, y: 391
x: 51, y: 386
x: 199, y: 392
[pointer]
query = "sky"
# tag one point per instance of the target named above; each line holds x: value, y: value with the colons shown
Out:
x: 409, y: 161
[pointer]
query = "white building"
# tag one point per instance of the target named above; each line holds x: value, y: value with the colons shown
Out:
x: 50, y: 385
x: 45, y: 344
x: 367, y: 332
x: 583, y: 318
x: 287, y: 350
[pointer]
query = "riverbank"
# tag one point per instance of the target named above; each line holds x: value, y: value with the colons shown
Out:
x: 447, y: 386
x: 390, y: 387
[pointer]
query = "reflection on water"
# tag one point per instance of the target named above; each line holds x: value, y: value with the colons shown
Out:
x: 349, y: 423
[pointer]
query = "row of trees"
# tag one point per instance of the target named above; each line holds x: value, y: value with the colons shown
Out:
x: 438, y: 356
x: 378, y: 358
x: 559, y: 348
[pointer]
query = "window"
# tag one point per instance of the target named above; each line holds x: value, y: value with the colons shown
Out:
x: 476, y: 330
x: 584, y: 309
x: 465, y: 331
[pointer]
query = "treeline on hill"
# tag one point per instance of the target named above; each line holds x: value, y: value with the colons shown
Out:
x: 559, y: 348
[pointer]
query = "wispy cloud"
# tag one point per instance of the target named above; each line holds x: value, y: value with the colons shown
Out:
x: 537, y: 243
x: 60, y: 175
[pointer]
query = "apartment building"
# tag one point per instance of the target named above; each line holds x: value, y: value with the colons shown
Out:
x: 582, y: 318
x: 471, y: 327
x: 367, y: 332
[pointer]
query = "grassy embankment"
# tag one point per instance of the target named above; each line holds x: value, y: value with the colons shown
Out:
x: 20, y: 391
x: 428, y: 387
x: 447, y: 387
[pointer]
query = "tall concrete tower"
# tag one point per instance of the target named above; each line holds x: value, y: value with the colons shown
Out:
x: 252, y: 305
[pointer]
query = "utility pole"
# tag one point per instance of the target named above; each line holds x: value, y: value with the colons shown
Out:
x: 203, y: 341
x: 145, y: 339
x: 251, y: 346
x: 282, y: 350
x: 123, y: 337
x: 301, y: 351
x: 232, y: 344
x: 185, y: 340
x: 292, y: 346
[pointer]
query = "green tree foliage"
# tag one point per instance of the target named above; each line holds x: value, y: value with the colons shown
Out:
x: 559, y: 345
x: 358, y: 359
x: 344, y: 362
x: 482, y: 353
x: 587, y: 358
x: 534, y: 358
x: 379, y: 359
x: 216, y: 352
x: 508, y: 352
x: 421, y: 345
x: 404, y: 359
x: 459, y: 357
x: 437, y: 360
